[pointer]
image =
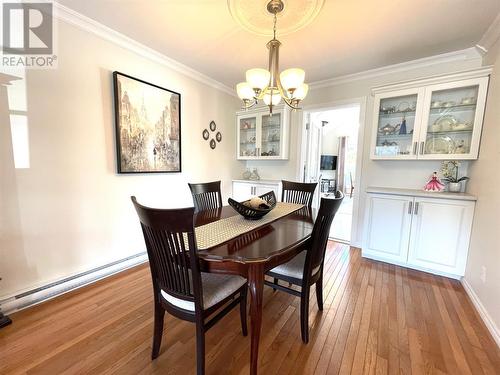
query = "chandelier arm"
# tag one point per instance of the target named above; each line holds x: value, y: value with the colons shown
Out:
x: 247, y: 106
x: 290, y: 104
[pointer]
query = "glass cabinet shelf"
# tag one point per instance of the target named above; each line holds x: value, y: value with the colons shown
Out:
x: 262, y: 136
x: 440, y: 119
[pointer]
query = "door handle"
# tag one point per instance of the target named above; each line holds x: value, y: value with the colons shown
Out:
x: 422, y: 145
x: 415, y: 145
x: 410, y: 207
x: 416, y: 208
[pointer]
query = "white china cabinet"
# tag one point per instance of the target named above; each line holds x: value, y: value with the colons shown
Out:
x: 425, y: 231
x: 261, y: 136
x: 435, y: 118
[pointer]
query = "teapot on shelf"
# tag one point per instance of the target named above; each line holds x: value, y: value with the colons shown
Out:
x: 389, y: 129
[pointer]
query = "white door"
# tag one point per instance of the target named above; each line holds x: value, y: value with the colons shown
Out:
x: 440, y: 234
x: 242, y: 191
x: 263, y: 189
x: 396, y: 123
x: 388, y: 224
x: 453, y: 119
x: 313, y: 155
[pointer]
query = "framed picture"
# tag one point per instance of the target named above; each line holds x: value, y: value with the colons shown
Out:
x: 148, y: 126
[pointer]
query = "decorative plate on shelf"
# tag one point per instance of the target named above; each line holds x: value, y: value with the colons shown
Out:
x: 440, y: 145
x: 446, y: 123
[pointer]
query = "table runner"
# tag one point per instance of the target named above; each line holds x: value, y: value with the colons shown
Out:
x: 217, y: 232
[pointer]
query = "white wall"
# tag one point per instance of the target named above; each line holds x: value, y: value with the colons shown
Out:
x: 70, y: 212
x: 485, y: 182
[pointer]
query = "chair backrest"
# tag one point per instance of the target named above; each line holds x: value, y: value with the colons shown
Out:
x: 206, y: 195
x: 298, y: 192
x: 321, y: 231
x: 171, y: 246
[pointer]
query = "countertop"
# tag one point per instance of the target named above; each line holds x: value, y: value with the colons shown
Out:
x: 421, y: 193
x: 259, y: 181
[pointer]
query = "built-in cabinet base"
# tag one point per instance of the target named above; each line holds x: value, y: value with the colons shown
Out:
x: 244, y: 189
x: 429, y: 232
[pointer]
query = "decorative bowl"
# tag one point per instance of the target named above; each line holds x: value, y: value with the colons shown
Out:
x: 250, y: 213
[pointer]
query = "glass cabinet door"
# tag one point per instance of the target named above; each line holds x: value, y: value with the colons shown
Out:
x: 396, y: 126
x: 451, y: 121
x: 271, y: 135
x: 248, y: 136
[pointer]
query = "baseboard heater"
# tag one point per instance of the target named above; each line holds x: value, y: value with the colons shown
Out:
x: 46, y: 292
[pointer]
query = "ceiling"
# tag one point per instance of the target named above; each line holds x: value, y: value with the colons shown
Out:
x: 344, y: 37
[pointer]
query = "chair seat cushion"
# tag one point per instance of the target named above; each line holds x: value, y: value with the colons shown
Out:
x: 215, y: 289
x: 294, y: 267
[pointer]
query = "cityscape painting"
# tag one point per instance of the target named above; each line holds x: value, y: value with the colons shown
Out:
x: 148, y: 126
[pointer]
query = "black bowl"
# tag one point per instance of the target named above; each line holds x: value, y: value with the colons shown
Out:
x: 250, y: 213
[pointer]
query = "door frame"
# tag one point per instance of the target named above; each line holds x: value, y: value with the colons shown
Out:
x: 327, y: 106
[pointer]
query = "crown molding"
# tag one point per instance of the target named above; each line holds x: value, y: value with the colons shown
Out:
x: 460, y: 55
x: 434, y: 79
x: 87, y: 24
x: 490, y: 37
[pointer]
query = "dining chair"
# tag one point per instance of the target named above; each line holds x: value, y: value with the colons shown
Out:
x: 206, y: 195
x: 298, y: 192
x: 178, y: 285
x: 306, y: 268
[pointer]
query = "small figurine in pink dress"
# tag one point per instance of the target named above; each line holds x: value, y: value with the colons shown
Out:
x: 434, y: 184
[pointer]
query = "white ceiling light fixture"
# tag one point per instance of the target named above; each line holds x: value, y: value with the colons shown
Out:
x: 269, y: 85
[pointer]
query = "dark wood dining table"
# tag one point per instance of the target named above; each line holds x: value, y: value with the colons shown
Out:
x: 253, y: 253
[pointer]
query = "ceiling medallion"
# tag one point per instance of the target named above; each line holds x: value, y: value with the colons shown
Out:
x: 270, y: 85
x: 253, y: 15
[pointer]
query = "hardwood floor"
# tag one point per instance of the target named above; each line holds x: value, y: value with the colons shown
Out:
x: 378, y: 318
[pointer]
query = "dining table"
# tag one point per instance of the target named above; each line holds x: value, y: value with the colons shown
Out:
x: 253, y: 253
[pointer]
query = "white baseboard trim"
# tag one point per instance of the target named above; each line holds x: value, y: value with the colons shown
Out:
x: 366, y: 254
x: 55, y: 289
x: 483, y: 313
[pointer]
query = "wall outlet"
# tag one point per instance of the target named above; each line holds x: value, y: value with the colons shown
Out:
x: 483, y: 274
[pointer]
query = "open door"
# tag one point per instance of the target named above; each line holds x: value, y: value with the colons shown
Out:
x: 313, y: 155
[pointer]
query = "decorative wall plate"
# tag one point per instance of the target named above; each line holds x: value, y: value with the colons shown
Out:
x: 213, y: 144
x: 218, y: 136
x: 213, y: 126
x: 205, y: 134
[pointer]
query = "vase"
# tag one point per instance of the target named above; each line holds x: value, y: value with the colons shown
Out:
x: 247, y: 174
x: 255, y: 175
x: 455, y: 187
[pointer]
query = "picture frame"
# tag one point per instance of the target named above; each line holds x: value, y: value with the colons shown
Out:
x: 147, y: 126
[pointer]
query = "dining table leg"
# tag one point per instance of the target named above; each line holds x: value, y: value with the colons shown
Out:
x: 256, y: 287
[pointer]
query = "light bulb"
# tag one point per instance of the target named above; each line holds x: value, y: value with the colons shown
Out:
x: 244, y: 91
x: 292, y: 79
x: 301, y: 92
x: 258, y: 78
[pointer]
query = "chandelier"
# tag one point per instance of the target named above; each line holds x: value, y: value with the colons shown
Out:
x: 268, y: 85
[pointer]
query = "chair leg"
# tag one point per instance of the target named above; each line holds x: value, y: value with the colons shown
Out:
x: 304, y: 314
x: 158, y: 329
x: 319, y: 292
x: 275, y: 283
x: 243, y: 311
x: 200, y: 348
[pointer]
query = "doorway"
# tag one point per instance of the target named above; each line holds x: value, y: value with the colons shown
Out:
x: 331, y: 157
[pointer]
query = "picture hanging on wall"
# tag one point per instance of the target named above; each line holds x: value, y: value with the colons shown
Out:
x: 148, y: 126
